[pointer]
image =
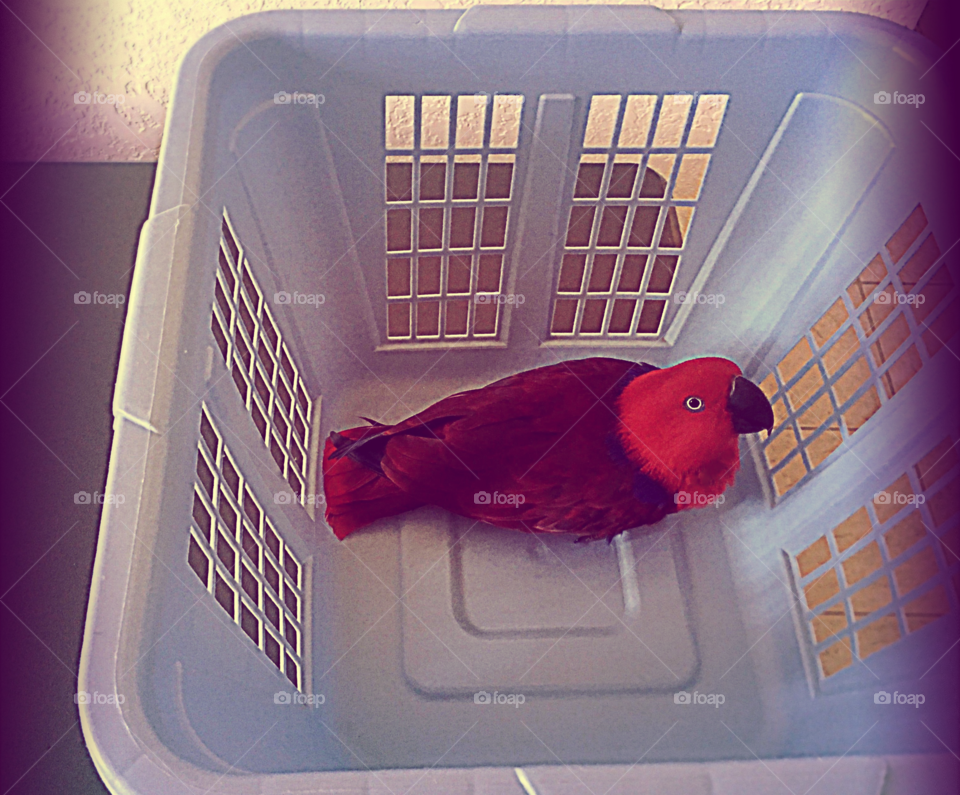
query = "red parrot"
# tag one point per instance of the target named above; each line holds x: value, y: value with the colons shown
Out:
x: 593, y: 447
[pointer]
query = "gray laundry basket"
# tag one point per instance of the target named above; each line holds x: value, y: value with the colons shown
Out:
x: 357, y: 213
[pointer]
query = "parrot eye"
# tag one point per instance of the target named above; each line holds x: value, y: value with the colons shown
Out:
x: 694, y: 403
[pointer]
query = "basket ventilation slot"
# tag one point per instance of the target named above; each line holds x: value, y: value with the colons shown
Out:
x: 449, y: 182
x: 891, y: 320
x: 642, y: 167
x: 888, y: 570
x: 260, y: 363
x: 238, y: 555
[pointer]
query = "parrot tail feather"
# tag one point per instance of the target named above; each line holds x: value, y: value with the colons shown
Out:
x: 356, y: 494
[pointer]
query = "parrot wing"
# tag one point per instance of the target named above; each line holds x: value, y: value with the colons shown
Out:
x: 540, y: 441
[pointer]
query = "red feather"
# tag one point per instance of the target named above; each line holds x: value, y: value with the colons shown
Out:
x: 356, y: 495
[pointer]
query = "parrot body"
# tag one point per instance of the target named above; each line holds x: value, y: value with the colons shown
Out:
x: 592, y: 447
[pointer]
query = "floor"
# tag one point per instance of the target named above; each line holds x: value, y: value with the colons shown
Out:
x: 66, y: 228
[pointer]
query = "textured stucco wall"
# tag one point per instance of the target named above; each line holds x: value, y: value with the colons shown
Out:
x: 56, y: 48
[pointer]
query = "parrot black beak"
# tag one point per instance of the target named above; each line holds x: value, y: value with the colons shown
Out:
x: 750, y: 408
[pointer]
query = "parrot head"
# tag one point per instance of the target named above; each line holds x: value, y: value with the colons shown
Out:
x: 680, y: 425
